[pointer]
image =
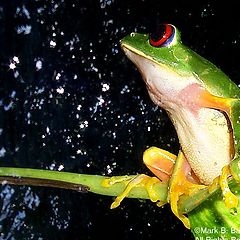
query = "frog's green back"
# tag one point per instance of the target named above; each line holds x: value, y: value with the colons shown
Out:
x: 215, y: 80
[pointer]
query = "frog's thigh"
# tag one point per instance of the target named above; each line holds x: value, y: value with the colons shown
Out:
x: 159, y: 162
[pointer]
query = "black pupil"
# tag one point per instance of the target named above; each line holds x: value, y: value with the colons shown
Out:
x: 159, y: 33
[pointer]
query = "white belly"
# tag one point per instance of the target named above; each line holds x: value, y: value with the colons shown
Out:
x: 205, y: 140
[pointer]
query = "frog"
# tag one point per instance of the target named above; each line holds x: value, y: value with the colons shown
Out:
x: 203, y: 104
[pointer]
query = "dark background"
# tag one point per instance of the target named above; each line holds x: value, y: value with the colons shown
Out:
x: 70, y: 99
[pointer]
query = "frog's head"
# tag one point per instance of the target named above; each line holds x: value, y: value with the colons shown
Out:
x: 162, y: 59
x: 158, y: 46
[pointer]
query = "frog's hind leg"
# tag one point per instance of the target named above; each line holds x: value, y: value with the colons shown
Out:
x: 160, y: 162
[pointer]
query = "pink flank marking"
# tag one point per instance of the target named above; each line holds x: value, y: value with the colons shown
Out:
x: 190, y: 97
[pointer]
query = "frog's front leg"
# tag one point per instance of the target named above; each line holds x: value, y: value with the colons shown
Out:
x: 182, y: 182
x: 160, y: 162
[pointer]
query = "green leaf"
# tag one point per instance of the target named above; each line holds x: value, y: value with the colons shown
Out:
x: 212, y: 220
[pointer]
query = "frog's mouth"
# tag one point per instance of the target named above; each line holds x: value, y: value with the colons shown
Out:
x: 204, y: 133
x: 131, y: 51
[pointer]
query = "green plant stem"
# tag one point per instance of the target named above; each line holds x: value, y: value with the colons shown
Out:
x: 75, y: 181
x: 208, y: 215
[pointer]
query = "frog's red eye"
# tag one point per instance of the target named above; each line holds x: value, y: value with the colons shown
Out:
x: 163, y: 36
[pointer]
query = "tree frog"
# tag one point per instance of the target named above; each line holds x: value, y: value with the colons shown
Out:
x: 204, y: 107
